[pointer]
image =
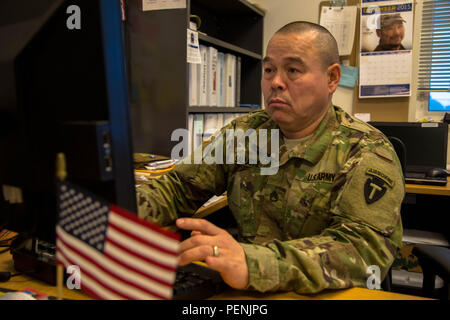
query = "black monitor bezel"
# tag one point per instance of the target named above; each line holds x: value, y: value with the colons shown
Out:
x: 422, y: 168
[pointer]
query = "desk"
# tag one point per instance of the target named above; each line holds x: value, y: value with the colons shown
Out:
x: 427, y: 189
x: 23, y: 282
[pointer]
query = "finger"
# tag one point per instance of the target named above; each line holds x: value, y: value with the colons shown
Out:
x: 221, y: 262
x: 201, y: 225
x: 198, y: 253
x: 197, y: 241
x: 195, y: 233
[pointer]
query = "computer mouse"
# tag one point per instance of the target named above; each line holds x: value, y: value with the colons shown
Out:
x: 438, y: 173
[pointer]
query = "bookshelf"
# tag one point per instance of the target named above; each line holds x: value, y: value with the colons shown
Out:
x: 234, y: 27
x: 156, y: 44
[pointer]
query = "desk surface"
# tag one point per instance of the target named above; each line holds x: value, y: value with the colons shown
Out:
x: 427, y: 189
x: 22, y: 282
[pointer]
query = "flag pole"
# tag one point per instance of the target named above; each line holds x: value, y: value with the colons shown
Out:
x: 61, y: 174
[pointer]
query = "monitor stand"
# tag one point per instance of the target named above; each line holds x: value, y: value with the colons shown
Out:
x: 37, y: 260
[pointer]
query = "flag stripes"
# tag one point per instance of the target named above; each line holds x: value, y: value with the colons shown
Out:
x: 107, y: 273
x: 119, y: 255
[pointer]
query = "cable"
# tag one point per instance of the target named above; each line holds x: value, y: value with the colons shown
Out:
x: 6, y: 276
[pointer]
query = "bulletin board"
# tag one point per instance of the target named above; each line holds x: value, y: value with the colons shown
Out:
x: 380, y: 109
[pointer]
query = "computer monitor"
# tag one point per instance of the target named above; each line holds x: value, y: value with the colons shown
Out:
x: 439, y: 101
x: 63, y: 88
x: 426, y: 143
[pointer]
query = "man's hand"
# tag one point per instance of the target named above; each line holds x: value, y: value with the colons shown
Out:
x: 231, y: 261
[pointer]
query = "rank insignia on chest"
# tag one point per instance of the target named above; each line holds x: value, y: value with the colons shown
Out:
x: 376, y: 185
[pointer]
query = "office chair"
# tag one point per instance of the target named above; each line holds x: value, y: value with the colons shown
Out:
x: 400, y: 150
x: 434, y: 260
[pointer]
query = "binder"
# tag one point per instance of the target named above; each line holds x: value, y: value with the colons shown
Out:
x: 211, y: 87
x: 221, y: 80
x: 238, y: 82
x: 191, y: 133
x: 230, y: 61
x: 203, y: 77
x: 198, y: 130
x: 210, y: 125
x: 194, y: 89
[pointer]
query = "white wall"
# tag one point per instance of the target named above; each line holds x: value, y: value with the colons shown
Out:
x: 281, y: 12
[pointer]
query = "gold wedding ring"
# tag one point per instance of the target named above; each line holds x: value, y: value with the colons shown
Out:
x: 215, y: 251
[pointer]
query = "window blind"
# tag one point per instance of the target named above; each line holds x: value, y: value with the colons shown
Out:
x: 434, y: 60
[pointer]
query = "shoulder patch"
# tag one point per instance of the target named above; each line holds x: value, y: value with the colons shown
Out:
x: 373, y: 193
x: 376, y: 185
x: 382, y: 152
x: 380, y: 175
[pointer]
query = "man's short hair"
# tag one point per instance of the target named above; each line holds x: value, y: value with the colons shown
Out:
x: 325, y: 43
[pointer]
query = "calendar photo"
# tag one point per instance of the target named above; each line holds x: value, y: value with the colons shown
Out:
x: 386, y: 49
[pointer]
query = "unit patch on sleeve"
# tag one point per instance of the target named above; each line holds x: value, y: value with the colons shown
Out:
x: 376, y: 185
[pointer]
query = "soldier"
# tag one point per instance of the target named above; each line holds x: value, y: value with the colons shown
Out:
x: 391, y: 32
x: 331, y: 210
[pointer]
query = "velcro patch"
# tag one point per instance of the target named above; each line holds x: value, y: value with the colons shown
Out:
x: 373, y: 193
x: 374, y: 189
x: 380, y: 175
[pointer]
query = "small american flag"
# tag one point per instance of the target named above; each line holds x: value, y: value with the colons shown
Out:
x: 119, y: 255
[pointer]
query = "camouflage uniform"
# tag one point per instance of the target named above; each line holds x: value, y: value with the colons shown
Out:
x: 332, y: 209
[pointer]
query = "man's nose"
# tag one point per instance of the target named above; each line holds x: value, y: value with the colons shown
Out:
x: 278, y: 81
x: 397, y: 30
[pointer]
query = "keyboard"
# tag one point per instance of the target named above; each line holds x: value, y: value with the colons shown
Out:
x: 196, y: 282
x: 421, y: 178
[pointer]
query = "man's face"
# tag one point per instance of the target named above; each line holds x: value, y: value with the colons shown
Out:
x: 392, y: 36
x: 295, y: 85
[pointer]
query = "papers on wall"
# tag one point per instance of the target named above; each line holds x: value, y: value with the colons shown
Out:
x: 149, y: 5
x: 341, y: 22
x: 363, y: 116
x: 349, y: 75
x: 385, y: 48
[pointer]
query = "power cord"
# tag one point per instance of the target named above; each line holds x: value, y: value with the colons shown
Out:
x: 6, y: 276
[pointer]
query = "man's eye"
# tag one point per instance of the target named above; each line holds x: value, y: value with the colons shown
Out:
x: 267, y: 70
x: 293, y: 70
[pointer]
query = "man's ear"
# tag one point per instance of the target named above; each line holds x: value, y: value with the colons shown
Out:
x: 334, y: 76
